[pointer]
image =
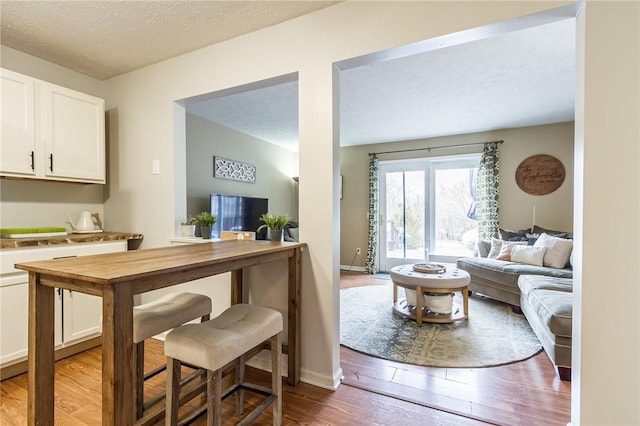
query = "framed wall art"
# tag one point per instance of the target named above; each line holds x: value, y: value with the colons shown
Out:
x: 224, y: 168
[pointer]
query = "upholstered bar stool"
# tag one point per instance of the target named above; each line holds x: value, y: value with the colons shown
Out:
x: 214, y: 344
x: 153, y: 318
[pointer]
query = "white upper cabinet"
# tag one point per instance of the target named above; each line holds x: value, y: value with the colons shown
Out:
x: 66, y: 128
x: 17, y: 137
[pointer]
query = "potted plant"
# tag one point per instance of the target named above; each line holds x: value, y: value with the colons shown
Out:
x: 206, y: 221
x: 188, y: 227
x: 275, y: 223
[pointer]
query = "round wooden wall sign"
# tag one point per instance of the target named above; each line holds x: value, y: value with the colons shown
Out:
x: 540, y: 174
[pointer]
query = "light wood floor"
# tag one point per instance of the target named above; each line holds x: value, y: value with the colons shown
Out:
x: 379, y: 392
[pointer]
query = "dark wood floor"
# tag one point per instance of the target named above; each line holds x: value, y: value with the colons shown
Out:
x: 375, y: 392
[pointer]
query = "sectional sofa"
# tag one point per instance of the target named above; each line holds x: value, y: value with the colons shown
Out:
x: 536, y: 279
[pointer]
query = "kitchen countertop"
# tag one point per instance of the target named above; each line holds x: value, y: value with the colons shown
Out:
x: 133, y: 239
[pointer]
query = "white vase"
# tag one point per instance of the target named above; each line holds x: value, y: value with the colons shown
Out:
x: 187, y: 231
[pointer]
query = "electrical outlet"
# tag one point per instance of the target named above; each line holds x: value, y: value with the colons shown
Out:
x: 358, y: 251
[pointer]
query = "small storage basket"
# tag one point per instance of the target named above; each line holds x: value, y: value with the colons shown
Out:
x: 435, y: 302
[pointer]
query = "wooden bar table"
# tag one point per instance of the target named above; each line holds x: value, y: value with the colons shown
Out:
x: 117, y: 277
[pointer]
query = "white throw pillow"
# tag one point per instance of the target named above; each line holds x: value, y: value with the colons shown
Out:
x: 507, y: 246
x: 496, y: 245
x: 558, y: 250
x: 528, y: 254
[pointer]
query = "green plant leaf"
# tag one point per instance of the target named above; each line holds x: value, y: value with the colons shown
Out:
x: 273, y: 221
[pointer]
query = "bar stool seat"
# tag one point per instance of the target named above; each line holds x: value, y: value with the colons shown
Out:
x: 214, y: 344
x: 153, y: 318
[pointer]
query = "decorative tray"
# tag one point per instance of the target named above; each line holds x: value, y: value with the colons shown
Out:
x: 89, y: 231
x: 430, y: 268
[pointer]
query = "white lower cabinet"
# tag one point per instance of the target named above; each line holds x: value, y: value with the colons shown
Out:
x: 78, y: 316
x: 81, y: 316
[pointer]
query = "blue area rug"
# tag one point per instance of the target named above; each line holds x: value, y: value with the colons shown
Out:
x: 492, y: 335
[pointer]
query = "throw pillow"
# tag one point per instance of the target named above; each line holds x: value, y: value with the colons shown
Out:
x: 558, y: 250
x: 562, y: 234
x: 532, y: 238
x: 483, y: 248
x: 496, y: 245
x: 507, y: 247
x: 528, y: 254
x: 507, y: 234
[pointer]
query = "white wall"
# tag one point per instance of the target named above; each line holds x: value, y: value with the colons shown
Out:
x: 275, y: 167
x: 553, y: 211
x: 606, y: 373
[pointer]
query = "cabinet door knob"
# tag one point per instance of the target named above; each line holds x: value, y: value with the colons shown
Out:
x: 51, y: 162
x: 33, y: 163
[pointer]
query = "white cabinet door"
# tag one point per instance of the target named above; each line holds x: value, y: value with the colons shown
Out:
x: 17, y: 134
x: 14, y: 312
x: 77, y: 316
x: 82, y: 316
x: 73, y: 133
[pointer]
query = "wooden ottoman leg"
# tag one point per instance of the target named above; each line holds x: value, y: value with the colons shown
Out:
x: 395, y: 293
x: 419, y: 299
x: 465, y: 301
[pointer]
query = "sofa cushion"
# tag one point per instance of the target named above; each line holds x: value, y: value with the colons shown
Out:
x: 558, y: 250
x: 504, y: 272
x: 484, y: 247
x: 552, y: 301
x: 528, y: 254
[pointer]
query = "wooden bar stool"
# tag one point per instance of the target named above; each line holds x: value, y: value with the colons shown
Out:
x: 153, y: 318
x: 214, y: 344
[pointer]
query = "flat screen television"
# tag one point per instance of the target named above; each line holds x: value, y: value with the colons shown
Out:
x: 237, y: 213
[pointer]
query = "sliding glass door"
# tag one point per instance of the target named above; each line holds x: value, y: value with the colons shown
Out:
x: 403, y: 213
x: 427, y: 206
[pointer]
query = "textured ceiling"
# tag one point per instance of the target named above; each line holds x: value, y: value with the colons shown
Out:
x: 523, y: 78
x: 106, y: 38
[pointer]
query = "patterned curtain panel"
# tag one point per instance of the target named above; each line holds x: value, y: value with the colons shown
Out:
x: 488, y: 189
x: 372, y: 249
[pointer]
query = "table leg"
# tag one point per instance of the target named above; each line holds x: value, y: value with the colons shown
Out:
x: 419, y: 299
x: 41, y: 352
x: 293, y: 318
x: 118, y: 384
x: 237, y: 287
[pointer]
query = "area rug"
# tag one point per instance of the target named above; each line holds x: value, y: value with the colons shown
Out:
x: 491, y: 336
x: 381, y: 276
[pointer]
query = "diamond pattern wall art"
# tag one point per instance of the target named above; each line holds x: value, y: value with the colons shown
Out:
x: 223, y: 168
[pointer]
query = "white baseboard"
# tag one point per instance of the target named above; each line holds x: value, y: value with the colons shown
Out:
x: 352, y: 268
x: 262, y: 361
